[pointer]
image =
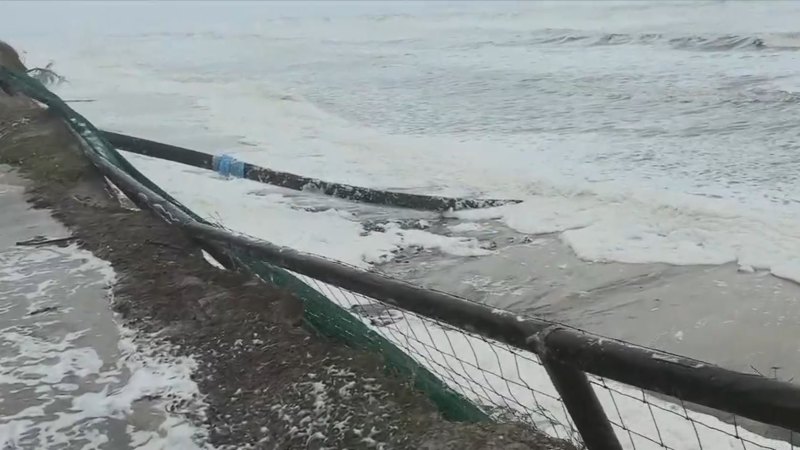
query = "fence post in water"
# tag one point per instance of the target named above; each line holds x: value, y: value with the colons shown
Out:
x: 580, y: 399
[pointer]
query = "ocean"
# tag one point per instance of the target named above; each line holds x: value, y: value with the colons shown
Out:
x: 640, y: 132
x: 654, y: 145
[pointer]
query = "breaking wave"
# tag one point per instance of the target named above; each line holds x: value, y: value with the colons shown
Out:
x: 710, y: 42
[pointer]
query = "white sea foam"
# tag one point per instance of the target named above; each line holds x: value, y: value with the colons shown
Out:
x: 331, y: 233
x: 635, y: 227
x: 70, y: 375
x: 600, y: 220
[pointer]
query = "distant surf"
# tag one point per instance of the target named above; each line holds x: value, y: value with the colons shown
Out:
x: 707, y: 42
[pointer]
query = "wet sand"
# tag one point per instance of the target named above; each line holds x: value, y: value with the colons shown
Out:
x: 715, y: 313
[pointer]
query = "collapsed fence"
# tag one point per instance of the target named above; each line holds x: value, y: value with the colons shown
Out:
x: 229, y: 166
x: 478, y: 363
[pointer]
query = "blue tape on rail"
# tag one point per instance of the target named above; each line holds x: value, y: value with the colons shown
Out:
x: 237, y: 168
x: 227, y: 166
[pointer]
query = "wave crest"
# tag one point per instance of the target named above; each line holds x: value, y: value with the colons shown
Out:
x: 707, y: 42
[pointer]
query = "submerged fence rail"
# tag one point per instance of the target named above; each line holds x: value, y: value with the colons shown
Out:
x: 230, y: 166
x: 485, y: 363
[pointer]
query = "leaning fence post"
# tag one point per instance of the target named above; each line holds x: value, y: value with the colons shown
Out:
x: 580, y: 399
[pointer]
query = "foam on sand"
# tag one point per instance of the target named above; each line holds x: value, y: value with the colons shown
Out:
x: 69, y: 375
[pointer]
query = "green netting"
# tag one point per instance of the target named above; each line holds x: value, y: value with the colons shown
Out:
x: 322, y: 314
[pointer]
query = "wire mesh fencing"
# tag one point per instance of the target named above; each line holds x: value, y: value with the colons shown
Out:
x: 512, y: 385
x: 506, y: 383
x: 643, y: 420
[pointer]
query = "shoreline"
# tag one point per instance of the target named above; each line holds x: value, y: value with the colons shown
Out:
x: 266, y: 385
